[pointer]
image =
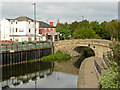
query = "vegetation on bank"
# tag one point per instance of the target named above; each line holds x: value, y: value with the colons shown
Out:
x: 57, y: 57
x: 110, y: 78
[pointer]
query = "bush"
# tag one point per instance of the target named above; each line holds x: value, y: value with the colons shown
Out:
x: 110, y: 78
x: 58, y: 56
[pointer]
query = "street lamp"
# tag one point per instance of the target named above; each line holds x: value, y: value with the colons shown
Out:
x: 83, y: 21
x: 35, y: 17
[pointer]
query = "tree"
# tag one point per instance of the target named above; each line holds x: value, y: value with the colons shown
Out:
x: 112, y: 28
x: 62, y: 29
x: 72, y: 27
x: 83, y: 24
x: 85, y: 33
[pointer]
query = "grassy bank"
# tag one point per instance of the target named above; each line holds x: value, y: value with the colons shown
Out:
x: 57, y: 57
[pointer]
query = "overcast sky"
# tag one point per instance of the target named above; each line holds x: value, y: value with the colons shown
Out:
x: 65, y: 11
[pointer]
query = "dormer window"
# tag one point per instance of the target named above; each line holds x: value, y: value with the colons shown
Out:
x: 11, y: 21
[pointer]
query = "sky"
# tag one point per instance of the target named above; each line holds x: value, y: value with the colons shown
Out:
x: 51, y: 10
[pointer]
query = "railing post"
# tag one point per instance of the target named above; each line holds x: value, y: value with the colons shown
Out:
x: 0, y: 48
x: 6, y: 47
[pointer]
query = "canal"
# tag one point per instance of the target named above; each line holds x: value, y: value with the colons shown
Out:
x: 41, y: 75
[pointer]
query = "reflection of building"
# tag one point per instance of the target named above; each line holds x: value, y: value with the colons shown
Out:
x: 13, y: 75
x: 23, y: 29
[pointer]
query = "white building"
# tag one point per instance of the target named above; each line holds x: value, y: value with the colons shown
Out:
x: 19, y: 29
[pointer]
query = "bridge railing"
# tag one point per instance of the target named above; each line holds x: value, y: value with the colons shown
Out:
x: 24, y: 46
x: 106, y: 61
x: 97, y: 67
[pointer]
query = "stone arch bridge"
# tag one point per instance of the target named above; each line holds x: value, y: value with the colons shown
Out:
x: 99, y: 46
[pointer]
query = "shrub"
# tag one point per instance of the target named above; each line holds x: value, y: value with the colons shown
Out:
x: 58, y: 56
x: 110, y: 78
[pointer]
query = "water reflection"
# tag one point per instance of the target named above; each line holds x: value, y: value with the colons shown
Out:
x: 13, y: 76
x: 40, y: 75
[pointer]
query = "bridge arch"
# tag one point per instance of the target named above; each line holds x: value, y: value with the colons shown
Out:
x: 84, y: 51
x: 67, y: 46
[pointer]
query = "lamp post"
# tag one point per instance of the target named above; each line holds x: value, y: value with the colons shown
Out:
x: 35, y: 17
x: 83, y: 21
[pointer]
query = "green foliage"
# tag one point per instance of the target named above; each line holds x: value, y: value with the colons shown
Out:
x: 112, y: 28
x: 4, y: 43
x: 34, y: 41
x: 85, y: 33
x: 110, y: 78
x: 105, y: 30
x: 57, y: 57
x: 31, y: 60
x: 25, y: 42
x: 15, y: 43
x: 71, y: 27
x: 114, y: 54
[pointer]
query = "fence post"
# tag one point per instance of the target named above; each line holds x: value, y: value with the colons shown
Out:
x: 6, y: 47
x: 0, y: 48
x: 46, y: 44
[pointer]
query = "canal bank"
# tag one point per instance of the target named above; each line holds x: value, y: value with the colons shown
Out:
x: 88, y: 77
x: 12, y: 57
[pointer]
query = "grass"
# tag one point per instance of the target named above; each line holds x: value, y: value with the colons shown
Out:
x: 57, y: 57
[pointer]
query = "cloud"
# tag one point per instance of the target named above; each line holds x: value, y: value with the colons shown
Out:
x: 66, y: 11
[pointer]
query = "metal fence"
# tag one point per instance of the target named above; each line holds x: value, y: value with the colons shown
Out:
x: 97, y: 67
x: 24, y: 46
x: 105, y: 59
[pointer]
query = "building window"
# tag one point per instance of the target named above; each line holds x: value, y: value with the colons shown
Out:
x: 16, y: 22
x: 45, y: 30
x: 10, y: 30
x: 49, y: 29
x: 49, y: 36
x: 29, y: 30
x: 53, y: 29
x: 29, y: 22
x: 40, y: 31
x: 11, y: 22
x: 16, y: 29
x: 13, y: 30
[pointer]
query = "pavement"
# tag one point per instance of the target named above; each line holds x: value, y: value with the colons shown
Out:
x: 88, y: 77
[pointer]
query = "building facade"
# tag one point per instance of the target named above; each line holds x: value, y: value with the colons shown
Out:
x: 18, y: 29
x: 23, y: 29
x: 48, y: 31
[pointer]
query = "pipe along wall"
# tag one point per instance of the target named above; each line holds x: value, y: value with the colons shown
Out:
x: 21, y: 56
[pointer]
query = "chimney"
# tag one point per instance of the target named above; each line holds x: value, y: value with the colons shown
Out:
x: 51, y: 23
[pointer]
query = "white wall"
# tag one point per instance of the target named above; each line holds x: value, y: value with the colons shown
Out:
x: 22, y: 30
x: 4, y: 29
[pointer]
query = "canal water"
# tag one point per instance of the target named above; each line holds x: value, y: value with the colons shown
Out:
x: 41, y: 75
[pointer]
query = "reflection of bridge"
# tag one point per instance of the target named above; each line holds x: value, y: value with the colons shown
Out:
x: 67, y: 46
